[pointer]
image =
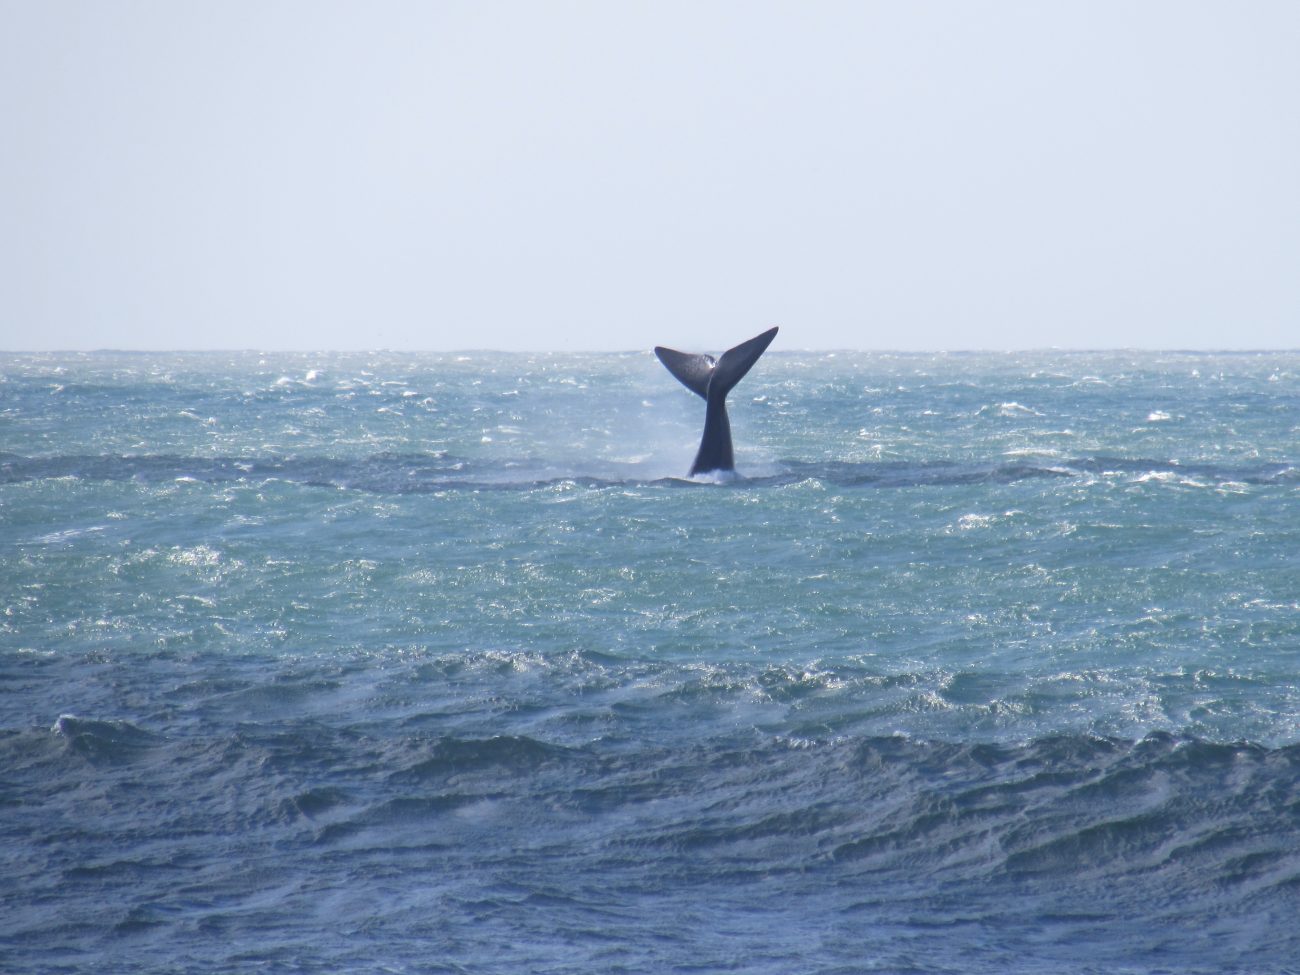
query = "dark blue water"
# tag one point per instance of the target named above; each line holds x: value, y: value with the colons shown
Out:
x: 378, y: 664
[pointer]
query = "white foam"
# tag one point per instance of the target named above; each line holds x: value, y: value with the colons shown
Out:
x: 716, y: 477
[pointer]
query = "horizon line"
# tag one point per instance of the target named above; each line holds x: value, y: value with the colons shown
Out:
x: 990, y: 350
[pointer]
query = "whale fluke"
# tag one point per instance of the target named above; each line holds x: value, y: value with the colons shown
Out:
x: 713, y: 379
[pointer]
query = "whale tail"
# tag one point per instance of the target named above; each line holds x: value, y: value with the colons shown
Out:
x: 713, y: 379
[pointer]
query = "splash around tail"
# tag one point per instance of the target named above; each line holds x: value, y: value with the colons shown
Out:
x: 716, y: 477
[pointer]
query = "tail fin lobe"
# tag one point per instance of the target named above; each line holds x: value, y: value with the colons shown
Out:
x: 735, y: 362
x: 692, y: 371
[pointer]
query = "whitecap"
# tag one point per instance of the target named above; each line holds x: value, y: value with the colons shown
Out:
x: 1016, y: 409
x: 1032, y: 452
x: 59, y: 537
x: 1009, y: 409
x: 199, y: 555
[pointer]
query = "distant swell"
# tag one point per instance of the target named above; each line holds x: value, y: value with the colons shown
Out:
x: 390, y: 473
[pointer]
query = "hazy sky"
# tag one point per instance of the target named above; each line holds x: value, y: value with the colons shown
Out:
x: 612, y: 175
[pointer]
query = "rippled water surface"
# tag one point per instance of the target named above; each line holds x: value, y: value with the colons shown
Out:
x: 437, y: 663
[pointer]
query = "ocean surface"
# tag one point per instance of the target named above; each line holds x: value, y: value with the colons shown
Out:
x: 437, y: 663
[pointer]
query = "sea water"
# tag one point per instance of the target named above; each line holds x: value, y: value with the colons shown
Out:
x: 437, y: 663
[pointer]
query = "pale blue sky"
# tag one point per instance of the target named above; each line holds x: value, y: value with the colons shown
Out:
x: 612, y: 175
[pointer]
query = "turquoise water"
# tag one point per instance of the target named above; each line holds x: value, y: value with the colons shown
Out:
x: 437, y: 663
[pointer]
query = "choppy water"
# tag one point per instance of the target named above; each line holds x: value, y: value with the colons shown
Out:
x: 358, y: 663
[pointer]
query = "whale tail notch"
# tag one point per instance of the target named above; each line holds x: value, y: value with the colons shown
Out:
x: 712, y: 379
